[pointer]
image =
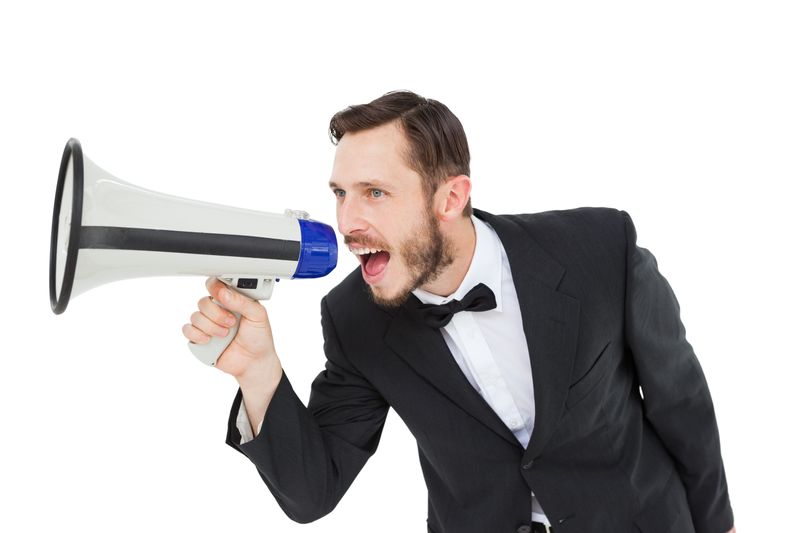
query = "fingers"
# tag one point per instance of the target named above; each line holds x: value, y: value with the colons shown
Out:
x: 216, y: 313
x: 208, y: 326
x: 212, y: 286
x: 195, y: 335
x: 210, y: 320
x: 202, y: 328
x: 235, y: 301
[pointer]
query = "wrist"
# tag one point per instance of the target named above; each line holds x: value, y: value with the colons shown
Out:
x: 258, y: 385
x: 262, y: 374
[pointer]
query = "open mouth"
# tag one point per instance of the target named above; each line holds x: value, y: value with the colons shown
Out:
x: 373, y: 262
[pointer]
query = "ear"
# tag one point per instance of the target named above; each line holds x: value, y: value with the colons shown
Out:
x: 452, y: 197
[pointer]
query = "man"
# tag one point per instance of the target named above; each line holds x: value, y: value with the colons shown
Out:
x: 513, y: 347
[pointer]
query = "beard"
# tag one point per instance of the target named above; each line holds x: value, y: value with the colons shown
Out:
x: 426, y: 253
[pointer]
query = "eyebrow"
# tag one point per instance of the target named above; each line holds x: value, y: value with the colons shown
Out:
x: 363, y: 185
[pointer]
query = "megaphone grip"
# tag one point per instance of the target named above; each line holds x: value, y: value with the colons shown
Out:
x: 209, y: 352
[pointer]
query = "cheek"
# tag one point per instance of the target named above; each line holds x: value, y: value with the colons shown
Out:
x: 339, y: 219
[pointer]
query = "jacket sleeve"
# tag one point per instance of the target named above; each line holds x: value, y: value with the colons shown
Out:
x: 309, y: 456
x: 677, y: 401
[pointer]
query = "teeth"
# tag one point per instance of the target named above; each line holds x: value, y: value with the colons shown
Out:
x: 363, y: 251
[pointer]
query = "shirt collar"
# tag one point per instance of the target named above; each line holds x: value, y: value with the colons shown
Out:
x: 486, y: 267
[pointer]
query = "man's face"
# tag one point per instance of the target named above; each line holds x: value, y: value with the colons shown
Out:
x: 384, y: 215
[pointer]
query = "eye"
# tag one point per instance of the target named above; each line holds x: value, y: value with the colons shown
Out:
x: 376, y: 193
x: 339, y: 193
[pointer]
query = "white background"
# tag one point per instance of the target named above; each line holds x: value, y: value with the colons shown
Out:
x: 683, y: 113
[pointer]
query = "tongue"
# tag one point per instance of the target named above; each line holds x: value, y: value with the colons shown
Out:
x: 376, y: 263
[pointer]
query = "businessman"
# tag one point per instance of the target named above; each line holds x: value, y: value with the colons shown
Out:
x: 538, y: 359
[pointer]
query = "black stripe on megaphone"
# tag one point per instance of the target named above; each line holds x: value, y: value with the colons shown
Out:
x: 187, y: 242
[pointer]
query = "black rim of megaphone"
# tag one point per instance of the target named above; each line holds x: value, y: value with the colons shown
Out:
x: 73, y: 149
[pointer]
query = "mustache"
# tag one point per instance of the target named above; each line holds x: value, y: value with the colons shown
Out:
x: 365, y: 243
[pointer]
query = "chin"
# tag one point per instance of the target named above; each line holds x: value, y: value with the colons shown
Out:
x: 389, y: 299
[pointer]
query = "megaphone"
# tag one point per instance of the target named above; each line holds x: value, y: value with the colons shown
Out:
x: 105, y: 229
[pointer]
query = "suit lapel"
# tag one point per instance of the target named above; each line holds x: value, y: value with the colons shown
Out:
x: 550, y: 322
x: 425, y: 350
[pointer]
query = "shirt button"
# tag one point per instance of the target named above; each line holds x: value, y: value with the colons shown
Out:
x: 515, y: 423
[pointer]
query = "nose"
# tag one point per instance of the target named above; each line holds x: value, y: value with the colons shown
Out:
x: 350, y: 217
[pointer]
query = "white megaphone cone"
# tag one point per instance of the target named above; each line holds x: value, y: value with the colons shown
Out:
x: 105, y: 230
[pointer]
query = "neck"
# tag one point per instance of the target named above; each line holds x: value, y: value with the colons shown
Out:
x: 462, y: 239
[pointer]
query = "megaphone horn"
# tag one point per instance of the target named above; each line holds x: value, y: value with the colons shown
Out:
x: 105, y: 229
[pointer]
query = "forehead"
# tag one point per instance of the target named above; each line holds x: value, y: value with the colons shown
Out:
x: 376, y: 154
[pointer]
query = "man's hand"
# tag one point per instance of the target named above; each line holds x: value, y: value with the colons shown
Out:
x: 250, y: 357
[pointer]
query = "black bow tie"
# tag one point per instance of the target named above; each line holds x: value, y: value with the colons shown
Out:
x: 479, y: 298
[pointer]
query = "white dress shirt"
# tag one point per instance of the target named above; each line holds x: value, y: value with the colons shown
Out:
x: 489, y: 346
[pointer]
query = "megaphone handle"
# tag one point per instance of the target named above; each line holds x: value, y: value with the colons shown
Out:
x: 209, y: 353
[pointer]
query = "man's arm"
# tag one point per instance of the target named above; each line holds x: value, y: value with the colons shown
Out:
x: 309, y: 456
x: 251, y: 356
x: 677, y: 401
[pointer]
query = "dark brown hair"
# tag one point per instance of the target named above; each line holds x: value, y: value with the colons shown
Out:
x: 437, y: 144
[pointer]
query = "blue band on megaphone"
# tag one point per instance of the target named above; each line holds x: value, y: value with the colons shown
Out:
x: 318, y: 250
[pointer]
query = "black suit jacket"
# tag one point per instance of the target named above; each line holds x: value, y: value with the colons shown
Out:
x: 601, y: 322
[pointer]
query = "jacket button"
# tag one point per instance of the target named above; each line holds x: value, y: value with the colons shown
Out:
x: 524, y: 529
x: 528, y: 465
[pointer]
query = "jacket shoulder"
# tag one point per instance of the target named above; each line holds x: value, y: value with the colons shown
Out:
x: 578, y: 218
x: 588, y: 242
x: 569, y: 228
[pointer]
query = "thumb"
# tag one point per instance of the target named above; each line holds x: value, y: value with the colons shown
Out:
x: 238, y: 302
